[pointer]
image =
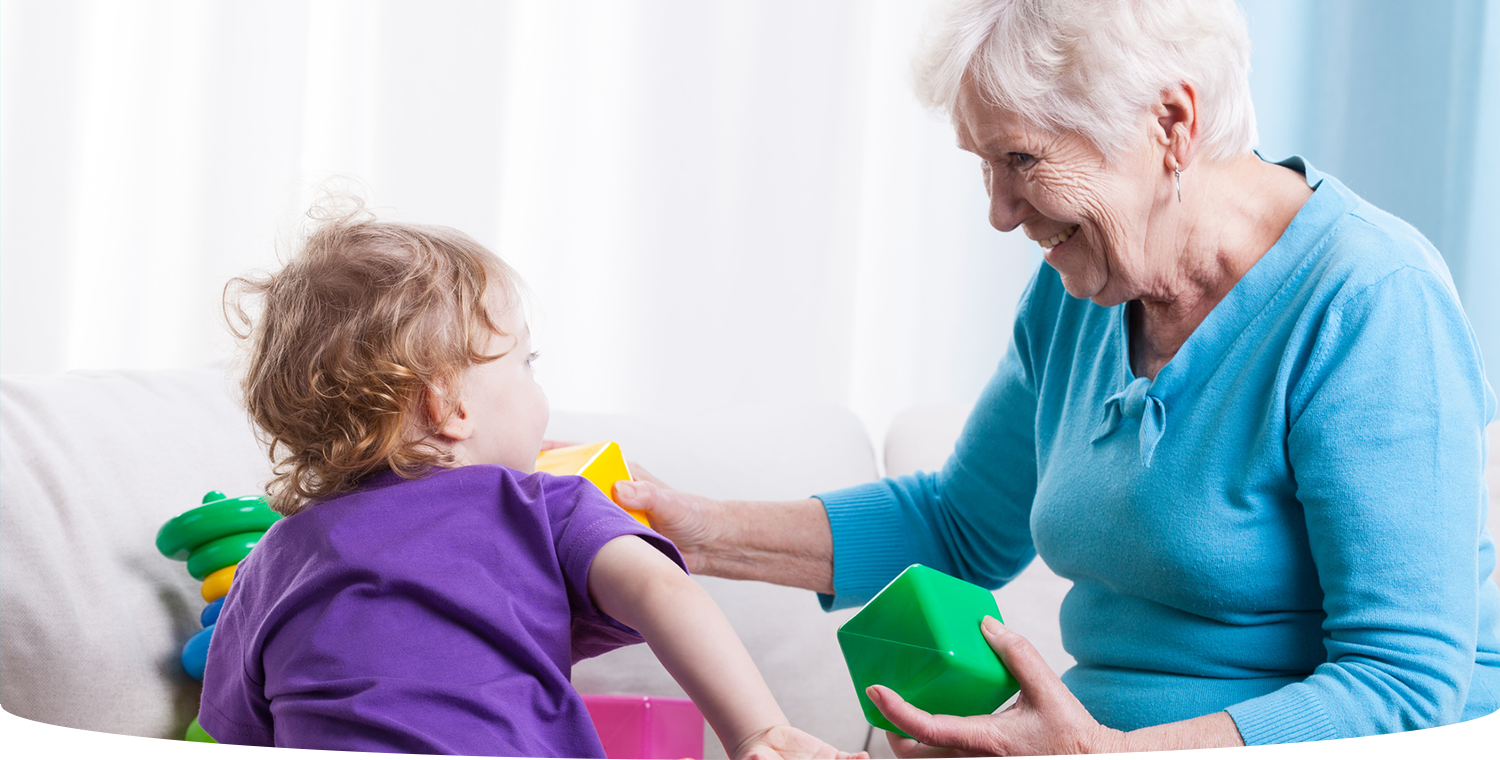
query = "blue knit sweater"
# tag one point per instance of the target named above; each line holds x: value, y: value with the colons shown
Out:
x: 1287, y: 523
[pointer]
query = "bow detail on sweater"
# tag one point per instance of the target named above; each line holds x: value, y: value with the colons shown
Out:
x: 1135, y: 403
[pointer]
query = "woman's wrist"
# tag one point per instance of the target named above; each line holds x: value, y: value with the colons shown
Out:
x: 1113, y: 740
x: 708, y: 544
x: 783, y: 542
x: 1204, y: 732
x: 787, y: 543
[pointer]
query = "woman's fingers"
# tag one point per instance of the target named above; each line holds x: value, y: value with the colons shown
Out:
x: 642, y: 495
x: 638, y: 472
x: 673, y: 513
x: 1046, y: 719
x: 970, y: 734
x: 679, y: 516
x: 1025, y: 664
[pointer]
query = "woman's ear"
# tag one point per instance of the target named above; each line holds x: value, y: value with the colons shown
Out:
x: 446, y: 411
x: 1177, y: 125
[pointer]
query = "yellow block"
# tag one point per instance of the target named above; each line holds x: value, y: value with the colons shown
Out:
x: 601, y: 463
x: 217, y: 582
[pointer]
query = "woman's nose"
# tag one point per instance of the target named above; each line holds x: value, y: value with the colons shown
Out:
x: 1007, y: 208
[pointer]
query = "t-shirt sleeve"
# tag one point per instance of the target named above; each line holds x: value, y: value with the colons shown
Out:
x: 583, y: 521
x: 971, y: 519
x: 1387, y: 443
x: 234, y: 708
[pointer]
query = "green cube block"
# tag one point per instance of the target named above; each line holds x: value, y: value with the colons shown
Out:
x: 920, y: 638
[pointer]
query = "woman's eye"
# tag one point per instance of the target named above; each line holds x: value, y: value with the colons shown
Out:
x: 1022, y: 160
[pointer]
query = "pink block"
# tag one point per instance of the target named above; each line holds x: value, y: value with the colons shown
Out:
x: 646, y: 728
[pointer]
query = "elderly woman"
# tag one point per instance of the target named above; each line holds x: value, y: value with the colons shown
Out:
x: 1242, y: 411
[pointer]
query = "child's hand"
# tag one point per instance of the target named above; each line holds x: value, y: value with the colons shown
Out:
x: 787, y: 743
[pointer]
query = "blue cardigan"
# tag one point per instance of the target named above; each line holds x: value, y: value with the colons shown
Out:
x: 1287, y: 523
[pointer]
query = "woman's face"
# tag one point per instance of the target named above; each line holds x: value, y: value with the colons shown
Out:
x: 1092, y: 218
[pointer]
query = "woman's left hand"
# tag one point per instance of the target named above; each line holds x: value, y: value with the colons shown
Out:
x: 1046, y: 719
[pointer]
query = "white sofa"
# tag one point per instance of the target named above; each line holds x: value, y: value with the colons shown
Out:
x: 92, y: 618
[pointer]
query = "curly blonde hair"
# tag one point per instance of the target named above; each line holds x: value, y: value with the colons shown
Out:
x: 353, y: 333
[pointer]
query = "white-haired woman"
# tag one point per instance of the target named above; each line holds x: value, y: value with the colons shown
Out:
x: 1242, y: 411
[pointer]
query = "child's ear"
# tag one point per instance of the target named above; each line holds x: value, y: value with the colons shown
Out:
x: 447, y: 412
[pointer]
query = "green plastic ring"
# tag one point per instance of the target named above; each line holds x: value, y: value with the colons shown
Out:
x: 221, y: 553
x: 203, y: 747
x: 218, y: 517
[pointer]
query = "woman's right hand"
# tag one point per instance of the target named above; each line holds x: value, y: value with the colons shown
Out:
x: 687, y: 520
x: 783, y: 542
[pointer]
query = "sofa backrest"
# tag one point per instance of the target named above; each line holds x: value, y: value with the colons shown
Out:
x: 91, y: 464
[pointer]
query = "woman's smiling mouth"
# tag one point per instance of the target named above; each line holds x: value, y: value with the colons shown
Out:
x: 1058, y: 239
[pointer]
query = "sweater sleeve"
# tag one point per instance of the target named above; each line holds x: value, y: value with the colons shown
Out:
x: 1386, y: 442
x: 971, y: 519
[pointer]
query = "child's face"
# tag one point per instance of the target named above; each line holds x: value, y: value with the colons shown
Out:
x: 502, y: 406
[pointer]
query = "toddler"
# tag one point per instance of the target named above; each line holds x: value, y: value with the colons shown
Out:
x: 427, y: 591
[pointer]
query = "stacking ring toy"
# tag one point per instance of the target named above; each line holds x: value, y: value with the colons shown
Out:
x: 216, y: 585
x: 213, y: 537
x: 218, y: 516
x: 221, y: 553
x: 195, y: 653
x: 210, y: 614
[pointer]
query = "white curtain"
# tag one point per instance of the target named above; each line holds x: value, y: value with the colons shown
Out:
x: 713, y: 202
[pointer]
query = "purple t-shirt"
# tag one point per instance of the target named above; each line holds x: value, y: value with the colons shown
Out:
x: 437, y: 615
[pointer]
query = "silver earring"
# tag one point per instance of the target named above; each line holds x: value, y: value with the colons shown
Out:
x: 1178, y: 176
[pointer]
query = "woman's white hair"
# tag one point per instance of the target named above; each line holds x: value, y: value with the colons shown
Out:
x: 1094, y: 66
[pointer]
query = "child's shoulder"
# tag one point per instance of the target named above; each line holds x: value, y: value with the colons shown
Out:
x: 508, y: 480
x: 389, y: 509
x: 477, y: 485
x: 557, y: 499
x: 451, y: 507
x: 475, y: 481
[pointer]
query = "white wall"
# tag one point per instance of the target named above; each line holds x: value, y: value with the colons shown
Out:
x: 713, y: 201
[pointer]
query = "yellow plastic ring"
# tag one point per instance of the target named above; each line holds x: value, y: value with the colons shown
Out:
x: 217, y: 582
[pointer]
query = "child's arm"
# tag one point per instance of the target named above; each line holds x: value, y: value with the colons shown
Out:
x: 634, y: 583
